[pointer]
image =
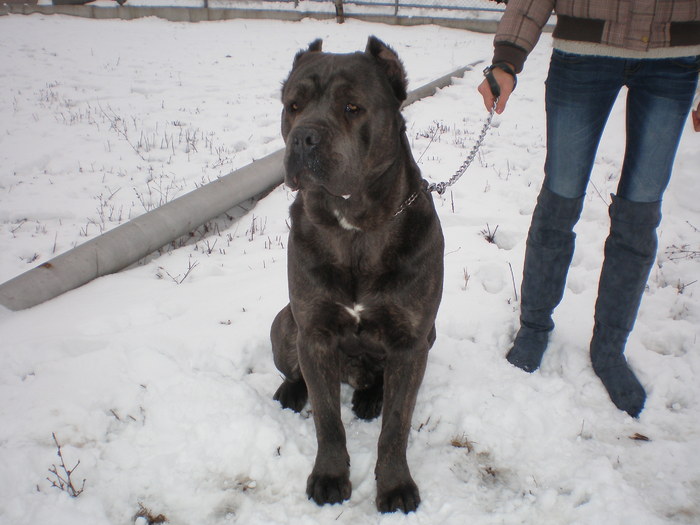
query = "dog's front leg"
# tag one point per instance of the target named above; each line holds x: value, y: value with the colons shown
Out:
x: 329, y: 481
x: 403, y: 374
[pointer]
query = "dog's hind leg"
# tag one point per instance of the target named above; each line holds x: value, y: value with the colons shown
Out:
x: 367, y: 402
x: 292, y: 393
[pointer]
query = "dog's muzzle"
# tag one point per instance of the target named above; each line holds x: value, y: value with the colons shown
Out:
x: 303, y: 155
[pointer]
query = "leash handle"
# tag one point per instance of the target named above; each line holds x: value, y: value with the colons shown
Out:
x: 493, y: 85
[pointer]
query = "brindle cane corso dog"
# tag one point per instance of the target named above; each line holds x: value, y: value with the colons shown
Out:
x: 365, y: 263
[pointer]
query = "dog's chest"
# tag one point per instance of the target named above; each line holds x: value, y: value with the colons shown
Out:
x: 355, y: 311
x: 365, y: 264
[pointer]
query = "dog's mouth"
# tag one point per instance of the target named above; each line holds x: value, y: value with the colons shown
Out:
x: 302, y: 179
x: 302, y: 173
x: 306, y: 179
x: 292, y: 182
x: 299, y: 177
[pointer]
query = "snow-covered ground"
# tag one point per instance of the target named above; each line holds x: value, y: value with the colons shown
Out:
x: 159, y: 380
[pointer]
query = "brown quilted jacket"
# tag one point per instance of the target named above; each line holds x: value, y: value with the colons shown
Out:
x: 636, y: 25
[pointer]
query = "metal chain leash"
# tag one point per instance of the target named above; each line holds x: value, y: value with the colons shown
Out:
x: 441, y: 187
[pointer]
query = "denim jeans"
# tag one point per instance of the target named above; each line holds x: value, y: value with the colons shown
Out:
x: 581, y: 91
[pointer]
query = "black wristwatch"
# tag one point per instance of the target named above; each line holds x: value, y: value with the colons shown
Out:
x: 488, y: 73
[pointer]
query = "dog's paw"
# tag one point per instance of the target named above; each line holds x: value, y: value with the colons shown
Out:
x: 292, y: 395
x: 405, y: 498
x: 367, y: 403
x: 329, y: 489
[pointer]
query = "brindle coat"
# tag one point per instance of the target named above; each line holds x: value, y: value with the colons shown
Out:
x: 364, y: 282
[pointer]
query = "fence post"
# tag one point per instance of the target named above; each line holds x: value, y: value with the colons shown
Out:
x: 339, y: 12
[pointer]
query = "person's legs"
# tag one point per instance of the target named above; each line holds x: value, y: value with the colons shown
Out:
x: 581, y: 91
x: 580, y: 94
x: 659, y: 99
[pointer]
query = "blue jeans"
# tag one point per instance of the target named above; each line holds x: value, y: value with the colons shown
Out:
x: 581, y: 91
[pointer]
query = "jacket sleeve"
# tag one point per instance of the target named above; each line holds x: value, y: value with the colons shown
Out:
x: 520, y: 29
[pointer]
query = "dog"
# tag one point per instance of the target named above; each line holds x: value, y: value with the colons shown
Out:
x: 365, y: 264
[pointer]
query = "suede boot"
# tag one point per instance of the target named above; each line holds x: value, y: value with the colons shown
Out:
x: 550, y: 247
x: 630, y: 251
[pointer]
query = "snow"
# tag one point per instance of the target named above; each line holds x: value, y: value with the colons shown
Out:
x: 159, y: 379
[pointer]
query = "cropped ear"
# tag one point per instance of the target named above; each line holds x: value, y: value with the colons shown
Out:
x: 314, y: 47
x: 390, y: 63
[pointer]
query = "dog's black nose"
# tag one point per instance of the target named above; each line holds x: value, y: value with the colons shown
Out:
x: 305, y: 140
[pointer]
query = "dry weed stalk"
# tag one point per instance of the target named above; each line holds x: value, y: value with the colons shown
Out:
x: 64, y: 479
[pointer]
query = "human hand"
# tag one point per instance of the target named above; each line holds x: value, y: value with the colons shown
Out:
x: 696, y: 118
x: 506, y: 82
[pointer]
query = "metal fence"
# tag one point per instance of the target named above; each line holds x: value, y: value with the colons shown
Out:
x: 398, y: 5
x: 476, y: 15
x: 476, y: 9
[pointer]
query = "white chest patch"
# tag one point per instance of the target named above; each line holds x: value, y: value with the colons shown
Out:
x: 355, y: 311
x: 344, y: 222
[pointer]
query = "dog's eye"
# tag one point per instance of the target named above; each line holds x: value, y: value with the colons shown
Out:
x: 293, y: 107
x: 351, y: 108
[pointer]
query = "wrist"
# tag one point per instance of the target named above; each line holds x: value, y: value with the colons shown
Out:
x: 503, y: 66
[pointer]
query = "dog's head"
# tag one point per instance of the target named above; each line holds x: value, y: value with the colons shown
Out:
x: 341, y: 121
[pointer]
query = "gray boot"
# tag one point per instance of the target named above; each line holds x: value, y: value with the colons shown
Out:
x: 550, y: 247
x: 630, y: 251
